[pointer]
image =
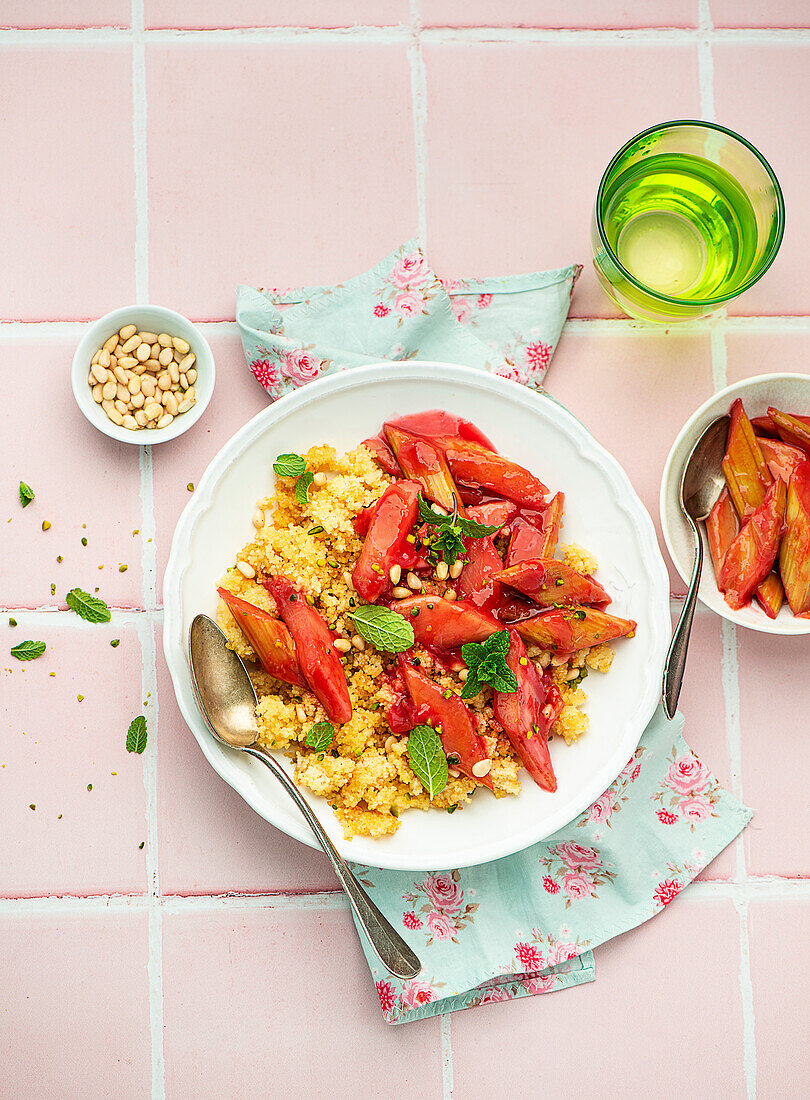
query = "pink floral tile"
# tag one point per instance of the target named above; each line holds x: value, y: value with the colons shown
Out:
x: 624, y: 1043
x: 774, y: 697
x: 210, y: 840
x: 87, y: 487
x: 67, y: 177
x: 319, y: 188
x: 518, y: 136
x: 760, y: 91
x: 278, y: 13
x: 633, y: 392
x: 75, y: 1011
x: 293, y: 978
x: 780, y: 978
x: 237, y: 397
x: 72, y: 799
x: 32, y: 14
x: 776, y: 13
x: 595, y: 14
x: 750, y: 353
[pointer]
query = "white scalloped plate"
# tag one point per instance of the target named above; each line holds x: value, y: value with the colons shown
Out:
x: 602, y: 513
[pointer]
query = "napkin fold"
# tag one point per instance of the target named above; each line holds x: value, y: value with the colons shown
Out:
x: 528, y: 923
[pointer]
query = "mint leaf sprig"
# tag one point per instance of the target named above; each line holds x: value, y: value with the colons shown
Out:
x: 320, y: 736
x: 28, y: 651
x: 427, y: 759
x: 486, y: 662
x: 292, y: 465
x: 383, y: 628
x: 87, y: 607
x: 450, y: 531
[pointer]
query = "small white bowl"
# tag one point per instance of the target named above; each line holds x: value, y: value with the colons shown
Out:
x: 790, y: 392
x: 148, y: 319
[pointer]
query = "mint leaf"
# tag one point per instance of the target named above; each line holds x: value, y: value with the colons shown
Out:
x: 302, y: 487
x: 320, y: 737
x: 87, y: 607
x: 136, y: 735
x: 26, y: 494
x: 487, y: 664
x: 28, y: 651
x: 427, y: 759
x: 383, y: 628
x: 472, y: 530
x: 449, y: 543
x: 451, y: 531
x: 289, y: 465
x: 427, y: 515
x: 472, y: 685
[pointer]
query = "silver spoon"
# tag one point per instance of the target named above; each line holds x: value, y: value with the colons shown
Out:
x: 701, y: 484
x: 228, y: 703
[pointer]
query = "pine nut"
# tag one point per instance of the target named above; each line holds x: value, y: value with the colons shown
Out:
x: 358, y: 643
x: 128, y: 362
x: 439, y: 510
x: 174, y: 372
x: 164, y: 382
x: 122, y: 392
x: 148, y: 337
x: 111, y: 344
x: 98, y: 373
x: 191, y: 375
x: 165, y: 421
x: 390, y: 742
x: 188, y: 362
x: 153, y: 410
x: 183, y: 382
x: 130, y: 422
x: 97, y: 390
x: 122, y: 406
x: 180, y: 345
x: 258, y: 519
x: 170, y: 404
x: 109, y: 391
x: 148, y: 386
x: 130, y: 345
x: 481, y: 769
x: 300, y: 713
x: 134, y: 385
x: 455, y: 569
x: 142, y: 352
x: 127, y: 331
x: 342, y: 645
x: 184, y: 406
x: 190, y: 393
x: 442, y: 569
x: 395, y: 572
x: 137, y: 400
x: 451, y: 595
x: 178, y: 355
x: 319, y: 480
x: 246, y: 569
x: 401, y: 593
x: 140, y: 416
x: 165, y: 356
x: 115, y: 416
x: 104, y: 359
x: 152, y: 365
x: 94, y: 360
x: 465, y: 672
x: 414, y: 582
x: 120, y: 374
x: 107, y: 405
x: 453, y: 772
x: 164, y: 396
x: 154, y: 350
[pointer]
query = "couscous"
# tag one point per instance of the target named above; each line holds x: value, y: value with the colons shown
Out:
x: 411, y: 625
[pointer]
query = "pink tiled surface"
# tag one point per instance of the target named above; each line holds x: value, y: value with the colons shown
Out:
x: 280, y: 143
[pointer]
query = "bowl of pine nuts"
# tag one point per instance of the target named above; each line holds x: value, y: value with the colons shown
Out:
x: 143, y: 374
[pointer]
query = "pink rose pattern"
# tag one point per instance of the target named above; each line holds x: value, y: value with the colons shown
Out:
x: 443, y: 904
x: 575, y: 870
x: 544, y: 951
x: 275, y: 369
x: 407, y: 289
x: 614, y: 798
x: 688, y: 794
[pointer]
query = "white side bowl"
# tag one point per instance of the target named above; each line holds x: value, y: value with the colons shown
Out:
x: 602, y: 513
x: 148, y: 319
x: 790, y: 392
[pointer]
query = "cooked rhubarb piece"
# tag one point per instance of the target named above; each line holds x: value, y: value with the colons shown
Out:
x: 492, y: 513
x: 438, y: 623
x: 721, y: 529
x: 782, y: 458
x: 454, y: 722
x: 423, y: 462
x: 269, y: 637
x: 536, y: 536
x: 528, y: 713
x: 747, y: 474
x: 792, y: 429
x: 551, y: 582
x: 565, y: 630
x: 794, y: 555
x: 751, y: 555
x: 764, y: 426
x: 473, y: 464
x: 317, y: 657
x: 382, y: 455
x: 770, y: 595
x: 476, y: 582
x: 394, y: 516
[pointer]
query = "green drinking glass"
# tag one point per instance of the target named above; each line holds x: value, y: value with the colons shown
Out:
x: 688, y: 216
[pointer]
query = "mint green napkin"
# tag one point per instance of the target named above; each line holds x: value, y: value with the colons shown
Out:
x: 525, y: 924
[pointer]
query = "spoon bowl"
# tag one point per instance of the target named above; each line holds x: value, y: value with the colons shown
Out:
x: 227, y: 701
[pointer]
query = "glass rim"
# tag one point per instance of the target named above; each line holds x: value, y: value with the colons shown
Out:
x: 766, y: 261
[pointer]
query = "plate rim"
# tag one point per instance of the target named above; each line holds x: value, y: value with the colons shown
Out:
x: 173, y: 640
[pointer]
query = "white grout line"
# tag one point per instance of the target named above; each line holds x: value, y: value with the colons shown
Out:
x: 705, y: 61
x: 447, y: 1055
x: 320, y: 900
x: 719, y: 356
x: 747, y: 996
x: 419, y: 107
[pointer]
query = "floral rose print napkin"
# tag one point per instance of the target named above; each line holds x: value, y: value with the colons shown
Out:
x: 400, y: 310
x: 526, y: 924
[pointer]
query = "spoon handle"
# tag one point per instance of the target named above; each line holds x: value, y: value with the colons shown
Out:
x: 388, y: 945
x: 676, y: 658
